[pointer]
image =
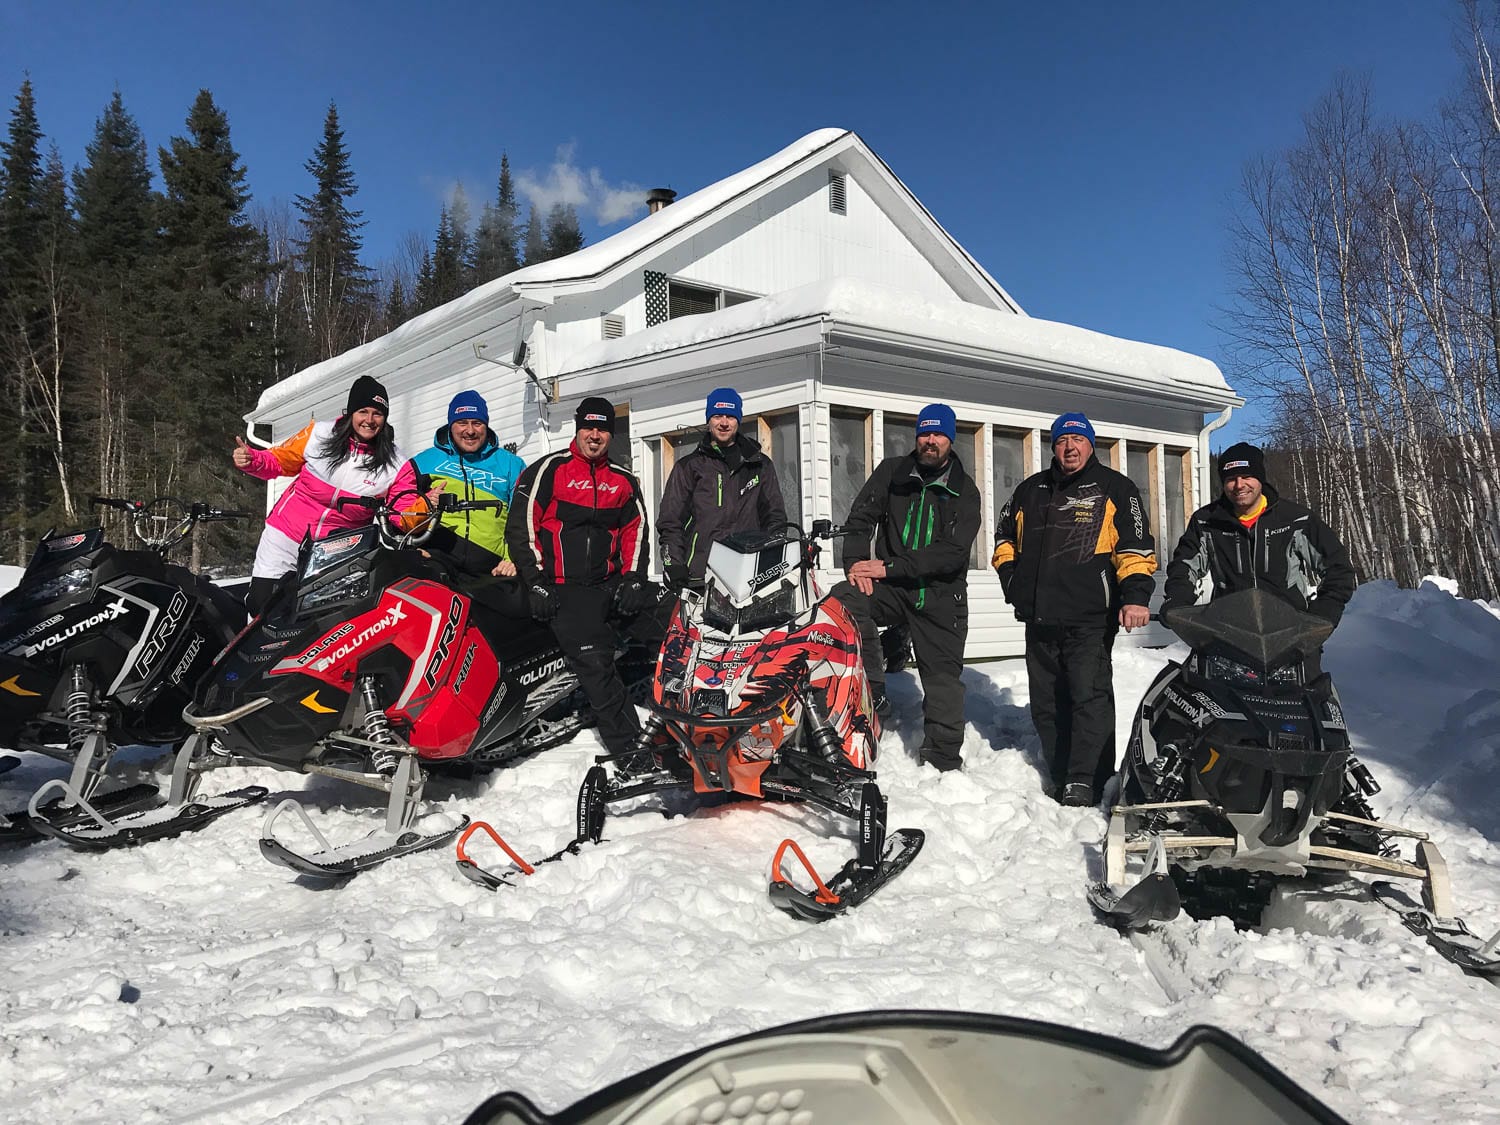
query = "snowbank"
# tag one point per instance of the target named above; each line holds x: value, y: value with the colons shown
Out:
x: 191, y: 980
x: 9, y: 576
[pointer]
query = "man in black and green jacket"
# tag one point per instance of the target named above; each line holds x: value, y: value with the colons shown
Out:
x: 724, y: 485
x: 922, y: 511
x: 1075, y: 557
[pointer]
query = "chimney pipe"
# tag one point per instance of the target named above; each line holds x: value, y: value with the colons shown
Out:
x: 657, y: 198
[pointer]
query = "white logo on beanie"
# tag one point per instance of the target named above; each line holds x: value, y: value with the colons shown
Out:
x: 723, y: 406
x: 595, y: 418
x: 466, y: 410
x: 1235, y: 465
x: 930, y: 424
x: 1072, y: 424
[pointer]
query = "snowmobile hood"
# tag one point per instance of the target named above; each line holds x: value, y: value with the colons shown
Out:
x: 942, y: 1068
x: 1255, y: 623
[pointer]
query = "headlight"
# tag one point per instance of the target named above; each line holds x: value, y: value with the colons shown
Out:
x: 69, y: 582
x: 772, y: 608
x: 353, y: 585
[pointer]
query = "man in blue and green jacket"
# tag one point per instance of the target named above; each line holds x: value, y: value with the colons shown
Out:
x: 466, y: 461
x: 922, y: 511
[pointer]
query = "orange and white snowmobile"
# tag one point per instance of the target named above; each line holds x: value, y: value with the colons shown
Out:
x: 760, y: 692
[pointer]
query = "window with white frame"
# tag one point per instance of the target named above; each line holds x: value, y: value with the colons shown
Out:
x: 1177, y: 478
x: 780, y: 437
x: 850, y: 435
x: 684, y: 299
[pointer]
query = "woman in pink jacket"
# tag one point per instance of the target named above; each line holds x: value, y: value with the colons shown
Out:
x: 355, y: 455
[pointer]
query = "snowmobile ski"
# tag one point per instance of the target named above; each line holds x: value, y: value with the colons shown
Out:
x: 1153, y: 899
x: 1451, y: 937
x: 24, y: 827
x: 328, y: 862
x: 851, y: 886
x: 490, y: 880
x: 99, y: 825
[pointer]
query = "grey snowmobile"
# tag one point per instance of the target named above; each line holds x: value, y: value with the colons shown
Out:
x: 941, y: 1068
x: 1239, y: 773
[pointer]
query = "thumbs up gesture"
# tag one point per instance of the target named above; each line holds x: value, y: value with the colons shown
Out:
x: 241, y: 453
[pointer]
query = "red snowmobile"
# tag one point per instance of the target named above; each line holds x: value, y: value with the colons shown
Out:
x: 759, y: 691
x: 378, y: 666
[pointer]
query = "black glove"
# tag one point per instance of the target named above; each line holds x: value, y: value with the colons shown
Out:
x: 632, y: 596
x: 543, y: 602
x: 676, y: 576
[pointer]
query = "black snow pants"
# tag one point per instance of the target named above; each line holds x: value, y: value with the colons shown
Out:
x: 938, y: 632
x: 1071, y: 677
x: 588, y: 633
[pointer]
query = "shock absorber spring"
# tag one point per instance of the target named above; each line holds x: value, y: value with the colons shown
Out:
x: 376, y: 725
x: 78, y: 708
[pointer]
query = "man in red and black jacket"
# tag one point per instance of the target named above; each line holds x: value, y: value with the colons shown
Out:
x: 577, y: 534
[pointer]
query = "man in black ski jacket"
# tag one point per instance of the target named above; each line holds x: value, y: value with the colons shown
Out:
x: 1252, y: 538
x: 1075, y: 557
x: 922, y: 511
x: 724, y: 485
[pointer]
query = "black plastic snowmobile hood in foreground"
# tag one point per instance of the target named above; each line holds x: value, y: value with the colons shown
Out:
x: 941, y: 1068
x: 1256, y: 623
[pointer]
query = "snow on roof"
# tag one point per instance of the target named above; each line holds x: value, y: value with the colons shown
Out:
x: 867, y: 305
x: 596, y: 259
x: 588, y: 262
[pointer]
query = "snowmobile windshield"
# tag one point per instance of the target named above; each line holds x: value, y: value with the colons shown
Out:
x: 324, y: 554
x: 744, y: 564
x: 1257, y: 625
x: 57, y: 548
x: 942, y: 1068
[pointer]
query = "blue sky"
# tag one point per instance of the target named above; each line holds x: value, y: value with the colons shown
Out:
x: 1088, y: 154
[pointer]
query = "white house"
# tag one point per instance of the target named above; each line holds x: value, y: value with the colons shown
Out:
x: 819, y: 286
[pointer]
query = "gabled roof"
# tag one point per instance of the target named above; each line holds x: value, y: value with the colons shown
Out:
x: 599, y: 264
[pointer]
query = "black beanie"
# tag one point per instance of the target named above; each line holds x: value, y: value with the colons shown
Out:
x: 598, y: 413
x: 1240, y: 460
x: 367, y: 392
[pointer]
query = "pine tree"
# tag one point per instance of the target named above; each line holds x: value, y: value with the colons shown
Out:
x: 563, y: 233
x: 396, y: 311
x: 446, y: 264
x: 423, y: 297
x: 535, y: 244
x: 495, y: 240
x: 460, y: 217
x: 337, y: 292
x: 213, y: 324
x: 21, y: 207
x: 117, y: 232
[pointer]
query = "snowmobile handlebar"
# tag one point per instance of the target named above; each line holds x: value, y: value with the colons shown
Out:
x: 162, y: 523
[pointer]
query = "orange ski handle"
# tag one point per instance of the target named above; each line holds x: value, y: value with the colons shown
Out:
x: 824, y: 895
x: 463, y: 856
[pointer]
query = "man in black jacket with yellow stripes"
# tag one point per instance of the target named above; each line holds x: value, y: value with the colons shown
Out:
x: 1075, y: 557
x: 922, y: 511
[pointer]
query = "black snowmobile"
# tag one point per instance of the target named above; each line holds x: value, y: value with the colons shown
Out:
x: 378, y: 666
x: 102, y: 647
x: 1239, y: 773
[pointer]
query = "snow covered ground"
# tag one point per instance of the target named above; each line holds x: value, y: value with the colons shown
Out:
x: 190, y: 980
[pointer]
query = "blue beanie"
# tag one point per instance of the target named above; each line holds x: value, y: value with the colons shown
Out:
x: 1074, y: 422
x: 725, y: 400
x: 468, y: 406
x: 938, y: 418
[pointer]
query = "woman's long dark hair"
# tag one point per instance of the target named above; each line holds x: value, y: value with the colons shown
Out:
x: 382, y: 448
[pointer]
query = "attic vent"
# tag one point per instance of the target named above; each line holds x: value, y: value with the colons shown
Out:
x: 613, y: 326
x: 836, y: 202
